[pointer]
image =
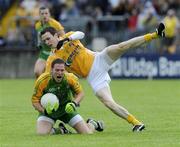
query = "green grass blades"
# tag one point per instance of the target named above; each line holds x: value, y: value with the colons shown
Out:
x: 156, y: 103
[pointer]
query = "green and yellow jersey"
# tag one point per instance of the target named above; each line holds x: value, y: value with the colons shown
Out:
x: 77, y: 58
x: 39, y: 26
x: 65, y: 90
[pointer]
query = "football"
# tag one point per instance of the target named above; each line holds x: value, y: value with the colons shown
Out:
x: 50, y: 100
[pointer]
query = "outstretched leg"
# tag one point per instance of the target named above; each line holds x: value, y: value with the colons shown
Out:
x: 115, y: 51
x: 105, y: 97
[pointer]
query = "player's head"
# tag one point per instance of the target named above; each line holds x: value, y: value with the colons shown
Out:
x: 50, y: 37
x: 57, y: 69
x: 44, y: 14
x: 171, y: 13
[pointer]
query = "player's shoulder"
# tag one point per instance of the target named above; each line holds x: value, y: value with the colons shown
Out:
x: 37, y: 24
x: 53, y: 22
x: 56, y: 24
x: 43, y: 77
x: 71, y: 76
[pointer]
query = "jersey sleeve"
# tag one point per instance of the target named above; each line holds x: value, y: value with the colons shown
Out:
x: 37, y: 25
x: 77, y: 42
x: 68, y: 34
x: 39, y: 87
x: 74, y: 83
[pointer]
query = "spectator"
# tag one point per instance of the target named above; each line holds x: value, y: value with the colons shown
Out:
x: 147, y: 18
x: 132, y: 21
x: 172, y: 23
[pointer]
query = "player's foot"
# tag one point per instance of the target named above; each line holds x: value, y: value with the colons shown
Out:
x: 138, y: 128
x: 63, y: 129
x: 99, y: 125
x: 161, y: 30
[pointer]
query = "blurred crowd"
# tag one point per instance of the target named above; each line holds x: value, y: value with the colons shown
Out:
x: 133, y: 16
x: 4, y: 5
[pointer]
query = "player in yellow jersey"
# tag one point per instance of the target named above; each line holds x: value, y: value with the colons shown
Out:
x: 172, y: 25
x: 44, y: 22
x: 69, y: 92
x: 94, y: 66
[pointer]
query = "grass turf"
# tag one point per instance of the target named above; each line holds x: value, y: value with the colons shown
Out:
x: 156, y: 103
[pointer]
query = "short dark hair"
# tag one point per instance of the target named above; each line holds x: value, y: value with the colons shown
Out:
x: 43, y: 8
x: 57, y: 61
x: 50, y: 30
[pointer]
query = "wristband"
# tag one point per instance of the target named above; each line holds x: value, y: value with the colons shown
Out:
x: 76, y: 104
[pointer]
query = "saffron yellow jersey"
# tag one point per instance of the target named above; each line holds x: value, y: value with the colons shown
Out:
x: 171, y: 25
x: 64, y: 90
x: 77, y: 58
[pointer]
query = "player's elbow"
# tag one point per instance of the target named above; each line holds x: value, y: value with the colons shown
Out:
x: 77, y: 36
x: 81, y: 34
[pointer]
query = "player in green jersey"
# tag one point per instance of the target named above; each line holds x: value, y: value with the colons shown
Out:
x: 69, y: 92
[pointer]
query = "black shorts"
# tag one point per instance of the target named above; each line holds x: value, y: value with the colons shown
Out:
x: 168, y: 41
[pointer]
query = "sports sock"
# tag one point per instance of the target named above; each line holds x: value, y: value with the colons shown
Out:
x: 131, y: 119
x: 150, y: 36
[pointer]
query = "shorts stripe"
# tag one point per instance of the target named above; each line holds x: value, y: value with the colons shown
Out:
x: 77, y: 118
x: 45, y: 118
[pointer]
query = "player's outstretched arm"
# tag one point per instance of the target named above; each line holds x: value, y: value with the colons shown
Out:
x: 115, y: 51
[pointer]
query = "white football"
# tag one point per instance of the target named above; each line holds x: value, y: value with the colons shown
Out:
x: 49, y: 98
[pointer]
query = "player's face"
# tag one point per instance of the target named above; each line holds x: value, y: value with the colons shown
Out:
x: 49, y: 39
x: 44, y: 15
x: 58, y: 72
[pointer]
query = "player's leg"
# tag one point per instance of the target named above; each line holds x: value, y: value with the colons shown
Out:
x: 78, y: 123
x: 99, y: 78
x: 105, y: 96
x: 44, y: 125
x: 39, y: 67
x: 89, y: 127
x: 115, y: 51
x: 83, y: 128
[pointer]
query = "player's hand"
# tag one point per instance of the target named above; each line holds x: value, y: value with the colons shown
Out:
x: 51, y: 108
x: 61, y: 42
x: 161, y: 30
x: 70, y: 107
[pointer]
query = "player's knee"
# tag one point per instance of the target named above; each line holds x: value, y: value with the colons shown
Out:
x: 38, y: 72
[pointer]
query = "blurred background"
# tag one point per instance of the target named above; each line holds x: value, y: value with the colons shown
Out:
x: 104, y: 22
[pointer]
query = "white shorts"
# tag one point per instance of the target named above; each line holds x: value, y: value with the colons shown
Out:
x: 77, y: 118
x: 98, y: 76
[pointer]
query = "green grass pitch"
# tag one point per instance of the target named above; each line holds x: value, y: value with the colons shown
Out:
x: 156, y: 103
